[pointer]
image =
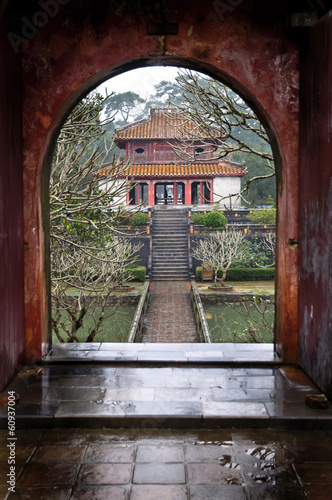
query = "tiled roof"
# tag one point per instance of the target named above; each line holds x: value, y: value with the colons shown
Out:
x: 163, y: 123
x: 222, y: 169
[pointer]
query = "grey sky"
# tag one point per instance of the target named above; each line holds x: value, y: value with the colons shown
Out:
x: 139, y: 80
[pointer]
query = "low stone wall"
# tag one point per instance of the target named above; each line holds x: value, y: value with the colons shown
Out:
x: 137, y: 324
x: 235, y: 297
x: 201, y: 322
x: 125, y: 299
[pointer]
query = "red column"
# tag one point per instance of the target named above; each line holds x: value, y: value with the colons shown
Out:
x: 211, y: 191
x: 201, y: 191
x: 187, y: 193
x: 151, y: 193
x: 138, y: 193
x: 175, y: 193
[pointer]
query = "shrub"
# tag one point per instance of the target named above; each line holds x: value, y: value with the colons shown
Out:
x: 214, y: 219
x: 198, y: 218
x: 243, y: 274
x: 139, y: 219
x: 263, y: 216
x: 136, y: 273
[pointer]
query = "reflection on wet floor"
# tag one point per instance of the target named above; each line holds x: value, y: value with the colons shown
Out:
x: 142, y: 464
x: 189, y: 396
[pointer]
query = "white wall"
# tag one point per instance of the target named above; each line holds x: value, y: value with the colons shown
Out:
x: 114, y: 186
x: 224, y: 186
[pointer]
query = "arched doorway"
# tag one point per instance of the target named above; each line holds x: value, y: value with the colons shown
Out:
x: 49, y: 100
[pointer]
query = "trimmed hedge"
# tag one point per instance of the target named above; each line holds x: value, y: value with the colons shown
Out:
x: 138, y: 219
x: 243, y: 274
x: 138, y: 273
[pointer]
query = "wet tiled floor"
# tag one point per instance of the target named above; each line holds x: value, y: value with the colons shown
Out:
x: 155, y: 393
x: 170, y: 317
x: 164, y: 353
x: 150, y: 464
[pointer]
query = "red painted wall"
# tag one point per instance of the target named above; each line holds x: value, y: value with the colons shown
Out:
x: 315, y: 280
x: 12, y: 341
x: 66, y: 59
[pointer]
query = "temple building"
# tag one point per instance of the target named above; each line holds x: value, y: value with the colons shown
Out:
x: 172, y: 162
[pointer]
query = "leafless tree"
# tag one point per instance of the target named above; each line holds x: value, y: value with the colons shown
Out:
x: 221, y: 249
x: 223, y: 123
x: 269, y: 242
x: 88, y: 257
x: 257, y: 317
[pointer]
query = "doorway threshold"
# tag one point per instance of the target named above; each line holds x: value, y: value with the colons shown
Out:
x: 164, y: 353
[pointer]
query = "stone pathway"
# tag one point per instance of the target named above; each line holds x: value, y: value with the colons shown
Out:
x: 147, y: 464
x: 170, y: 316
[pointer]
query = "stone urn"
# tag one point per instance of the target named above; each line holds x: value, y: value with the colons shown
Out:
x: 218, y: 287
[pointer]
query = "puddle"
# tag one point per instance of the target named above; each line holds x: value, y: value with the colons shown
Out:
x: 262, y: 453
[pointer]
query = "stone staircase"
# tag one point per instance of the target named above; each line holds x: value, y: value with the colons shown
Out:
x: 170, y: 258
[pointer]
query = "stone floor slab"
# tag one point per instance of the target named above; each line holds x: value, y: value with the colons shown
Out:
x: 96, y: 474
x: 160, y: 453
x: 160, y: 492
x: 159, y: 474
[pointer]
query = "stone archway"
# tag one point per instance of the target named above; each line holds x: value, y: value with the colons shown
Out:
x: 236, y: 51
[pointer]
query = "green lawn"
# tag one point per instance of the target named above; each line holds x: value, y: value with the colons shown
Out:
x: 258, y: 287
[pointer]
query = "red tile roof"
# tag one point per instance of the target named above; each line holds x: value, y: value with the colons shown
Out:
x: 216, y: 169
x: 164, y: 123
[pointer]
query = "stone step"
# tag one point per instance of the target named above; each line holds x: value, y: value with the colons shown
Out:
x: 169, y: 230
x: 174, y: 237
x: 175, y: 258
x: 170, y: 244
x: 172, y: 275
x: 169, y: 265
x: 162, y: 243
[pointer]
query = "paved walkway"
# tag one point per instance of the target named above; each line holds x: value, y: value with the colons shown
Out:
x: 170, y: 316
x: 145, y: 464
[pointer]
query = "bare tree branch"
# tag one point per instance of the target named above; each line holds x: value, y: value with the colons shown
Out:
x: 88, y: 258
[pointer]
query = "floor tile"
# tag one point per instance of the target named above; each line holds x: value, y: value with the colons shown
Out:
x: 177, y: 394
x: 216, y: 492
x: 112, y: 453
x: 234, y: 409
x: 132, y: 394
x: 75, y: 394
x: 164, y: 409
x: 278, y: 492
x: 105, y: 474
x: 160, y: 492
x: 213, y: 473
x: 87, y: 409
x: 317, y: 492
x: 314, y: 473
x: 55, y: 493
x: 99, y: 493
x: 59, y: 453
x: 269, y: 473
x: 159, y: 474
x: 22, y: 452
x: 160, y: 453
x: 247, y: 395
x: 49, y: 474
x: 206, y: 453
x: 4, y: 471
